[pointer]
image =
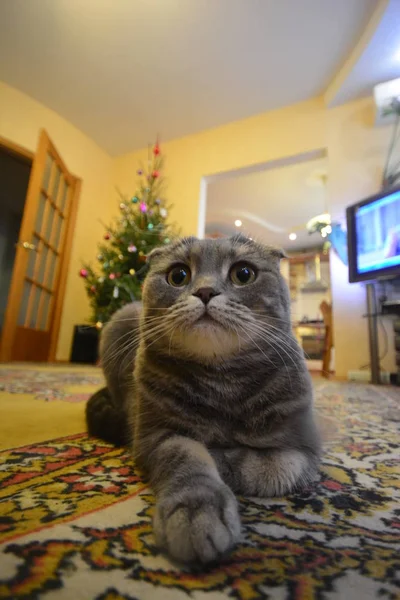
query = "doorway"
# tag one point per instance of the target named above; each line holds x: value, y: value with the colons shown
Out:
x: 273, y: 204
x: 39, y: 230
x: 15, y: 172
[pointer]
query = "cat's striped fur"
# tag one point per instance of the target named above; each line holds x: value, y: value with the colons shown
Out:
x: 212, y: 405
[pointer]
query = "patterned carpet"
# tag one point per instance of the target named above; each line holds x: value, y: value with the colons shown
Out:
x: 75, y: 516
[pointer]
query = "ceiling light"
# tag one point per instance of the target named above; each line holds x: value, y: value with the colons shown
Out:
x: 238, y: 223
x: 292, y: 236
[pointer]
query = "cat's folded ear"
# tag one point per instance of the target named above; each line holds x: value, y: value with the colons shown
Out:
x: 165, y: 250
x: 157, y: 253
x: 277, y: 252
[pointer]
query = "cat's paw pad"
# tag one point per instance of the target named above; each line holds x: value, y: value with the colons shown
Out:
x: 199, y: 524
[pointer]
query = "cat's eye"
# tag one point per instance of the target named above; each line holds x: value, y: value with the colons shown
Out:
x: 179, y: 276
x: 242, y: 274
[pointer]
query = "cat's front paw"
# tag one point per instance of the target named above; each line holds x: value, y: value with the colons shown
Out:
x: 197, y: 524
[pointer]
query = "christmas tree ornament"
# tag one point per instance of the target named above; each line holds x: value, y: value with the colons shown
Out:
x: 143, y: 207
x: 115, y: 292
x: 139, y: 172
x: 132, y: 248
x: 132, y: 271
x: 135, y: 200
x: 100, y: 257
x: 155, y: 174
x: 163, y: 213
x: 156, y: 150
x: 143, y: 242
x: 93, y: 289
x: 99, y: 325
x: 122, y: 206
x: 111, y: 276
x: 100, y: 279
x: 118, y: 275
x: 158, y: 201
x: 83, y: 273
x: 166, y: 241
x: 121, y: 256
x: 150, y: 226
x: 107, y: 236
x: 142, y: 258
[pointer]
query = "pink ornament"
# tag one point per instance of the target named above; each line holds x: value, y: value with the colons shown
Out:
x: 107, y: 236
x: 112, y: 276
x: 132, y: 248
x: 83, y: 273
x: 143, y: 207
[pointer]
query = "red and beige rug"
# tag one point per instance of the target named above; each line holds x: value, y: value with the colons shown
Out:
x: 75, y: 516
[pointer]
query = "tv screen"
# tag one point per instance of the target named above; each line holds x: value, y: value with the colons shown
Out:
x: 373, y: 230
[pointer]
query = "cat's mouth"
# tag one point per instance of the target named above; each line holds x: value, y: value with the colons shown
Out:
x: 206, y: 319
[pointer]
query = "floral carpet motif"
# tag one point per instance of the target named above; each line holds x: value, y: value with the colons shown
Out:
x: 75, y: 520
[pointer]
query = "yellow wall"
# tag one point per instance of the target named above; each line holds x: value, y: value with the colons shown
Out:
x: 21, y: 119
x: 356, y: 152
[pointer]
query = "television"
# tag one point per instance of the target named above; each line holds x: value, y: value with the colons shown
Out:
x: 373, y: 237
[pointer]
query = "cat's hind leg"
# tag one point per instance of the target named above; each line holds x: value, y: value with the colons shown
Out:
x: 106, y: 420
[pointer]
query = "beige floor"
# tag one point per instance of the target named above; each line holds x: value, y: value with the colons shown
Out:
x: 24, y: 421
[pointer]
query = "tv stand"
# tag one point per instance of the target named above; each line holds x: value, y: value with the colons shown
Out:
x: 373, y: 334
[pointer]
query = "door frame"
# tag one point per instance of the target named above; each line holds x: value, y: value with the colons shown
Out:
x: 28, y: 156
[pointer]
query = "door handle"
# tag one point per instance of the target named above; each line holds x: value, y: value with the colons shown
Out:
x: 27, y: 246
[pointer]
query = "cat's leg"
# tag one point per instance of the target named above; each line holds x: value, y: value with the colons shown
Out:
x: 264, y: 473
x: 107, y: 411
x: 196, y: 517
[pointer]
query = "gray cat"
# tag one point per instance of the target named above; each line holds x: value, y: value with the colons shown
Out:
x: 209, y: 386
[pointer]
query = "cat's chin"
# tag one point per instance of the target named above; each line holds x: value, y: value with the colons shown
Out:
x: 208, y: 340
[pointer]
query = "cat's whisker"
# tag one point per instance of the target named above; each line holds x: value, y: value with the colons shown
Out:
x: 274, y: 340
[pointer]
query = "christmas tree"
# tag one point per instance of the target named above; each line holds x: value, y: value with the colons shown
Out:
x: 140, y: 227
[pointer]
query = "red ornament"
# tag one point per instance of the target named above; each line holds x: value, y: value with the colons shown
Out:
x: 156, y: 150
x: 107, y: 236
x: 83, y: 273
x: 112, y: 276
x: 155, y: 174
x: 93, y: 289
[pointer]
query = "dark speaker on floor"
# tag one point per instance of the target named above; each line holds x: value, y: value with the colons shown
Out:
x: 85, y: 345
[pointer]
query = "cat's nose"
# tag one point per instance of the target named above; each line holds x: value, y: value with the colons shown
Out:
x: 205, y: 294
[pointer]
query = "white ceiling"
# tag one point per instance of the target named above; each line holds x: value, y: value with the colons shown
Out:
x: 270, y: 203
x: 378, y: 62
x: 124, y: 71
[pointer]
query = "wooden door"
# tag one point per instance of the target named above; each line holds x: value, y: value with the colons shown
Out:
x: 37, y: 288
